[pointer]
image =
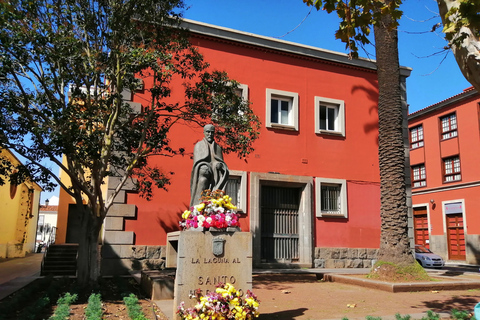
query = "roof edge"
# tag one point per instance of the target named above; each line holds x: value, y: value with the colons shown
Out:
x: 466, y: 94
x: 281, y: 45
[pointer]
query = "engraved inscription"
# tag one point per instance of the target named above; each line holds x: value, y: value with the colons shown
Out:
x: 215, y: 280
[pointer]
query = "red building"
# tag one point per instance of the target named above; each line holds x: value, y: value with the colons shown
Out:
x: 311, y: 187
x: 444, y: 157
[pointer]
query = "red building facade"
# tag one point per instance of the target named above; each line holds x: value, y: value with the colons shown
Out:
x: 444, y: 142
x: 311, y: 188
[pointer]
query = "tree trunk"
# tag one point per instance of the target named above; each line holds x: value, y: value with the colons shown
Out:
x: 394, y: 241
x: 88, y: 261
x: 467, y: 53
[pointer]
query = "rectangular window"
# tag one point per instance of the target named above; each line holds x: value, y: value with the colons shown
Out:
x: 329, y: 116
x: 452, y: 169
x: 331, y: 198
x: 449, y: 126
x: 416, y: 137
x: 237, y: 189
x: 419, y: 176
x: 242, y: 91
x: 282, y: 109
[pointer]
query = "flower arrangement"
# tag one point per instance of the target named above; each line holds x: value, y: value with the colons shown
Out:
x: 215, y: 210
x: 223, y: 304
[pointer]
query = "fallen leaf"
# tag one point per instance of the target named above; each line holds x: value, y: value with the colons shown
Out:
x: 435, y: 291
x: 353, y: 305
x: 286, y: 291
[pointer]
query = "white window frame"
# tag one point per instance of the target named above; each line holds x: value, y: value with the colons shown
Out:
x: 449, y: 126
x: 242, y: 190
x: 343, y: 197
x: 292, y: 97
x: 244, y: 88
x: 416, y: 137
x: 339, y: 105
x: 422, y: 175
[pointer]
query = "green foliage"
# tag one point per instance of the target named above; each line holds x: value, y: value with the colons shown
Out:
x: 431, y: 316
x: 62, y: 311
x: 357, y: 17
x: 134, y: 309
x: 94, y: 307
x: 465, y: 14
x: 373, y: 318
x: 398, y: 316
x: 65, y: 67
x: 461, y: 314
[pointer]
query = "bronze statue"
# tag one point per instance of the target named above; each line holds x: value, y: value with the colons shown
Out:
x: 209, y: 170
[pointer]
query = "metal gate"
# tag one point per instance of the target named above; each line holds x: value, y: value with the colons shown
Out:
x: 279, y: 224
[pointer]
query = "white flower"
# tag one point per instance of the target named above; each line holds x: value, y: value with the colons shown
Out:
x: 228, y: 218
x: 209, y: 219
x: 200, y: 218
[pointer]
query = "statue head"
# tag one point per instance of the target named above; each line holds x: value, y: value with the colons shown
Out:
x: 209, y: 132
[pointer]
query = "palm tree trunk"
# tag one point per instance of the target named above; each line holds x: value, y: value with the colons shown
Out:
x: 394, y: 240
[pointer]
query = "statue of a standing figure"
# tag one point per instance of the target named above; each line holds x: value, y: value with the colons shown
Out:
x: 209, y: 170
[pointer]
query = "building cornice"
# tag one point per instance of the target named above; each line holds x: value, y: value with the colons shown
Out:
x: 447, y: 188
x: 467, y: 94
x: 281, y: 45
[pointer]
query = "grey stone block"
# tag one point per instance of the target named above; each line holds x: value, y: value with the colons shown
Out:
x: 158, y: 285
x: 130, y: 184
x: 121, y: 197
x: 329, y: 263
x: 154, y: 252
x: 319, y: 263
x: 362, y: 253
x: 152, y: 264
x: 372, y: 253
x: 113, y: 223
x: 139, y: 252
x: 353, y: 253
x: 339, y: 263
x: 119, y: 237
x: 137, y: 107
x: 122, y: 210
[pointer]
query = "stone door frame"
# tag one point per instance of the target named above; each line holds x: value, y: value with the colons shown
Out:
x: 305, y: 246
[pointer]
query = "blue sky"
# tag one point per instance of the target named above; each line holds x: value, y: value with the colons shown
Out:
x: 433, y: 79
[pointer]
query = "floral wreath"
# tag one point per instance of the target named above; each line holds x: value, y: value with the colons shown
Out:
x: 215, y: 210
x: 224, y: 303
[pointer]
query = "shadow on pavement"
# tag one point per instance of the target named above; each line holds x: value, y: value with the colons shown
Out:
x: 283, y: 315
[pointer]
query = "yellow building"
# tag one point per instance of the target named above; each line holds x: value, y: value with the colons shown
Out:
x: 19, y: 207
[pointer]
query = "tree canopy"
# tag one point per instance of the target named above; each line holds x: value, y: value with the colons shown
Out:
x: 66, y: 69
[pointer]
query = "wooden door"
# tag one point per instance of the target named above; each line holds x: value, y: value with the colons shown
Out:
x: 456, y: 236
x: 420, y: 223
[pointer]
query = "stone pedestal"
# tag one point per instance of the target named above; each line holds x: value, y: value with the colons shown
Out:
x: 206, y: 259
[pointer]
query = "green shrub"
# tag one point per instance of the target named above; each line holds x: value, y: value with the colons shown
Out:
x: 33, y: 310
x: 431, y: 316
x: 461, y: 315
x: 405, y: 317
x: 134, y: 309
x: 94, y: 307
x: 63, y: 307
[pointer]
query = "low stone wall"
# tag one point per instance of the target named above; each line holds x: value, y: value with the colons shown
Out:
x: 331, y: 258
x: 120, y: 259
